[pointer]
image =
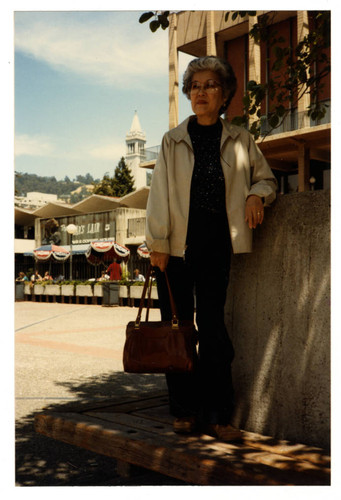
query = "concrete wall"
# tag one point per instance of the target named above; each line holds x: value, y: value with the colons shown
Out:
x: 278, y: 317
x: 121, y: 217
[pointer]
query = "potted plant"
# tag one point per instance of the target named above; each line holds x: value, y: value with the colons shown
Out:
x: 27, y: 287
x: 51, y: 288
x: 67, y: 288
x: 124, y: 285
x: 135, y: 290
x: 98, y: 290
x: 38, y: 289
x: 84, y: 289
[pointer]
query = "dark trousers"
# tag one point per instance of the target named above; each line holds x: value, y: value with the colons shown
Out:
x: 208, y: 392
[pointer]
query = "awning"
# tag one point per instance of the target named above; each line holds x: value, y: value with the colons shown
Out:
x: 76, y: 249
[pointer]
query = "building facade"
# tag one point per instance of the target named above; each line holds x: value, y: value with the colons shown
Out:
x: 96, y: 218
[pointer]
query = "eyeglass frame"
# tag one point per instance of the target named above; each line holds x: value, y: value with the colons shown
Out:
x: 203, y: 87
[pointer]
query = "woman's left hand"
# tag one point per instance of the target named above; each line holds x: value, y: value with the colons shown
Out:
x: 254, y: 211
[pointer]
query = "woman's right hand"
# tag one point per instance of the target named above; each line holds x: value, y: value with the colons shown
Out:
x: 159, y: 259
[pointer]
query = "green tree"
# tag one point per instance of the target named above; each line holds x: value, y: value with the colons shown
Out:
x: 85, y: 179
x: 123, y: 179
x: 296, y: 71
x: 104, y: 187
x: 119, y: 185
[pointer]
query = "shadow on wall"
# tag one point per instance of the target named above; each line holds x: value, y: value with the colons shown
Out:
x: 278, y: 316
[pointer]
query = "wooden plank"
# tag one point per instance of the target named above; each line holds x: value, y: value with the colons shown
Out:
x: 158, y: 413
x: 138, y: 405
x: 161, y: 414
x: 135, y: 422
x: 299, y: 451
x: 184, y: 458
x: 113, y: 403
x: 273, y: 454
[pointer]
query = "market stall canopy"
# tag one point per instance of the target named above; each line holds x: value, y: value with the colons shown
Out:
x: 24, y: 217
x: 55, y: 210
x: 97, y: 203
x: 103, y: 252
x: 136, y: 199
x: 47, y: 252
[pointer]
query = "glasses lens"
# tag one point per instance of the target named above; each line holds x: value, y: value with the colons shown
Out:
x: 210, y: 87
x: 195, y: 87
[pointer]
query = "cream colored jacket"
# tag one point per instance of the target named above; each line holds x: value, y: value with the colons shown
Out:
x: 246, y: 172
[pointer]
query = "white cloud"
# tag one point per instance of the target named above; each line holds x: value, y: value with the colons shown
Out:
x: 110, y: 48
x: 108, y: 151
x: 42, y: 146
x: 37, y: 145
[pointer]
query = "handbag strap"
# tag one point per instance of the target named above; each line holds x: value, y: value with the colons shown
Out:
x: 148, y: 284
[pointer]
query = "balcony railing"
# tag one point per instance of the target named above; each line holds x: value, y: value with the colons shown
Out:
x: 151, y: 153
x: 294, y: 121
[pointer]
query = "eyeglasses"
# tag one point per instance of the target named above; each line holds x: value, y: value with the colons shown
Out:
x: 210, y: 87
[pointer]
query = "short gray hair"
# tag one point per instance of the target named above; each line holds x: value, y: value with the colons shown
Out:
x: 219, y: 66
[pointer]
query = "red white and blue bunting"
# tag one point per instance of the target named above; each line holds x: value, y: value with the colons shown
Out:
x: 102, y: 252
x: 47, y: 252
x: 142, y: 251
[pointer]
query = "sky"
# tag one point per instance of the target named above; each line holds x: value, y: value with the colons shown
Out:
x: 79, y: 77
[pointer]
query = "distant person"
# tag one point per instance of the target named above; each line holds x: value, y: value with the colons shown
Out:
x: 47, y: 276
x: 138, y: 276
x: 115, y: 271
x: 22, y: 277
x: 36, y: 277
x: 104, y: 276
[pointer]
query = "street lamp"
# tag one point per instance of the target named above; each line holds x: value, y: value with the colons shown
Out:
x: 71, y: 229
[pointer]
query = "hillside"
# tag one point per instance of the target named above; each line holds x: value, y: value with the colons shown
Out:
x: 66, y: 189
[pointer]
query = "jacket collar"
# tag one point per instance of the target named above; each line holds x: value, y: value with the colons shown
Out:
x: 180, y: 133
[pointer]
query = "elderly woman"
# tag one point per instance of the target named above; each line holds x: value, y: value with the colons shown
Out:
x: 209, y: 188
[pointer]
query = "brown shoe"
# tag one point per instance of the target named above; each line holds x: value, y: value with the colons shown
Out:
x: 225, y: 433
x: 184, y: 425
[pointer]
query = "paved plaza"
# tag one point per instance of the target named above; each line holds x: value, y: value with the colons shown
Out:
x: 63, y: 353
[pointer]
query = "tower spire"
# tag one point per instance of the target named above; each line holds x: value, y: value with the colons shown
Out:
x: 135, y: 141
x: 135, y: 124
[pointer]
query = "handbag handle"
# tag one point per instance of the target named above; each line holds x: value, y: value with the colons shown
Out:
x: 148, y: 281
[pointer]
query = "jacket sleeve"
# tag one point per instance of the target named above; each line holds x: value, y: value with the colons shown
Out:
x: 263, y: 181
x: 157, y: 216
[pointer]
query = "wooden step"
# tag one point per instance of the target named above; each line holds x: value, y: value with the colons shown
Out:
x: 139, y: 431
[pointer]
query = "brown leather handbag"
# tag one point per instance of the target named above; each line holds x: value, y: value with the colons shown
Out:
x: 159, y: 346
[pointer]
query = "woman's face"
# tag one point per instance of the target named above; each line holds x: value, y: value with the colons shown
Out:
x: 205, y: 104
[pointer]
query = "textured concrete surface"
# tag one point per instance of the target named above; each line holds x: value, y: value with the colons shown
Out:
x: 67, y: 352
x: 278, y: 316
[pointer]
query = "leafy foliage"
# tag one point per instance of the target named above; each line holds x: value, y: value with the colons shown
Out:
x: 119, y: 185
x: 295, y: 71
x: 26, y: 183
x: 160, y: 20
